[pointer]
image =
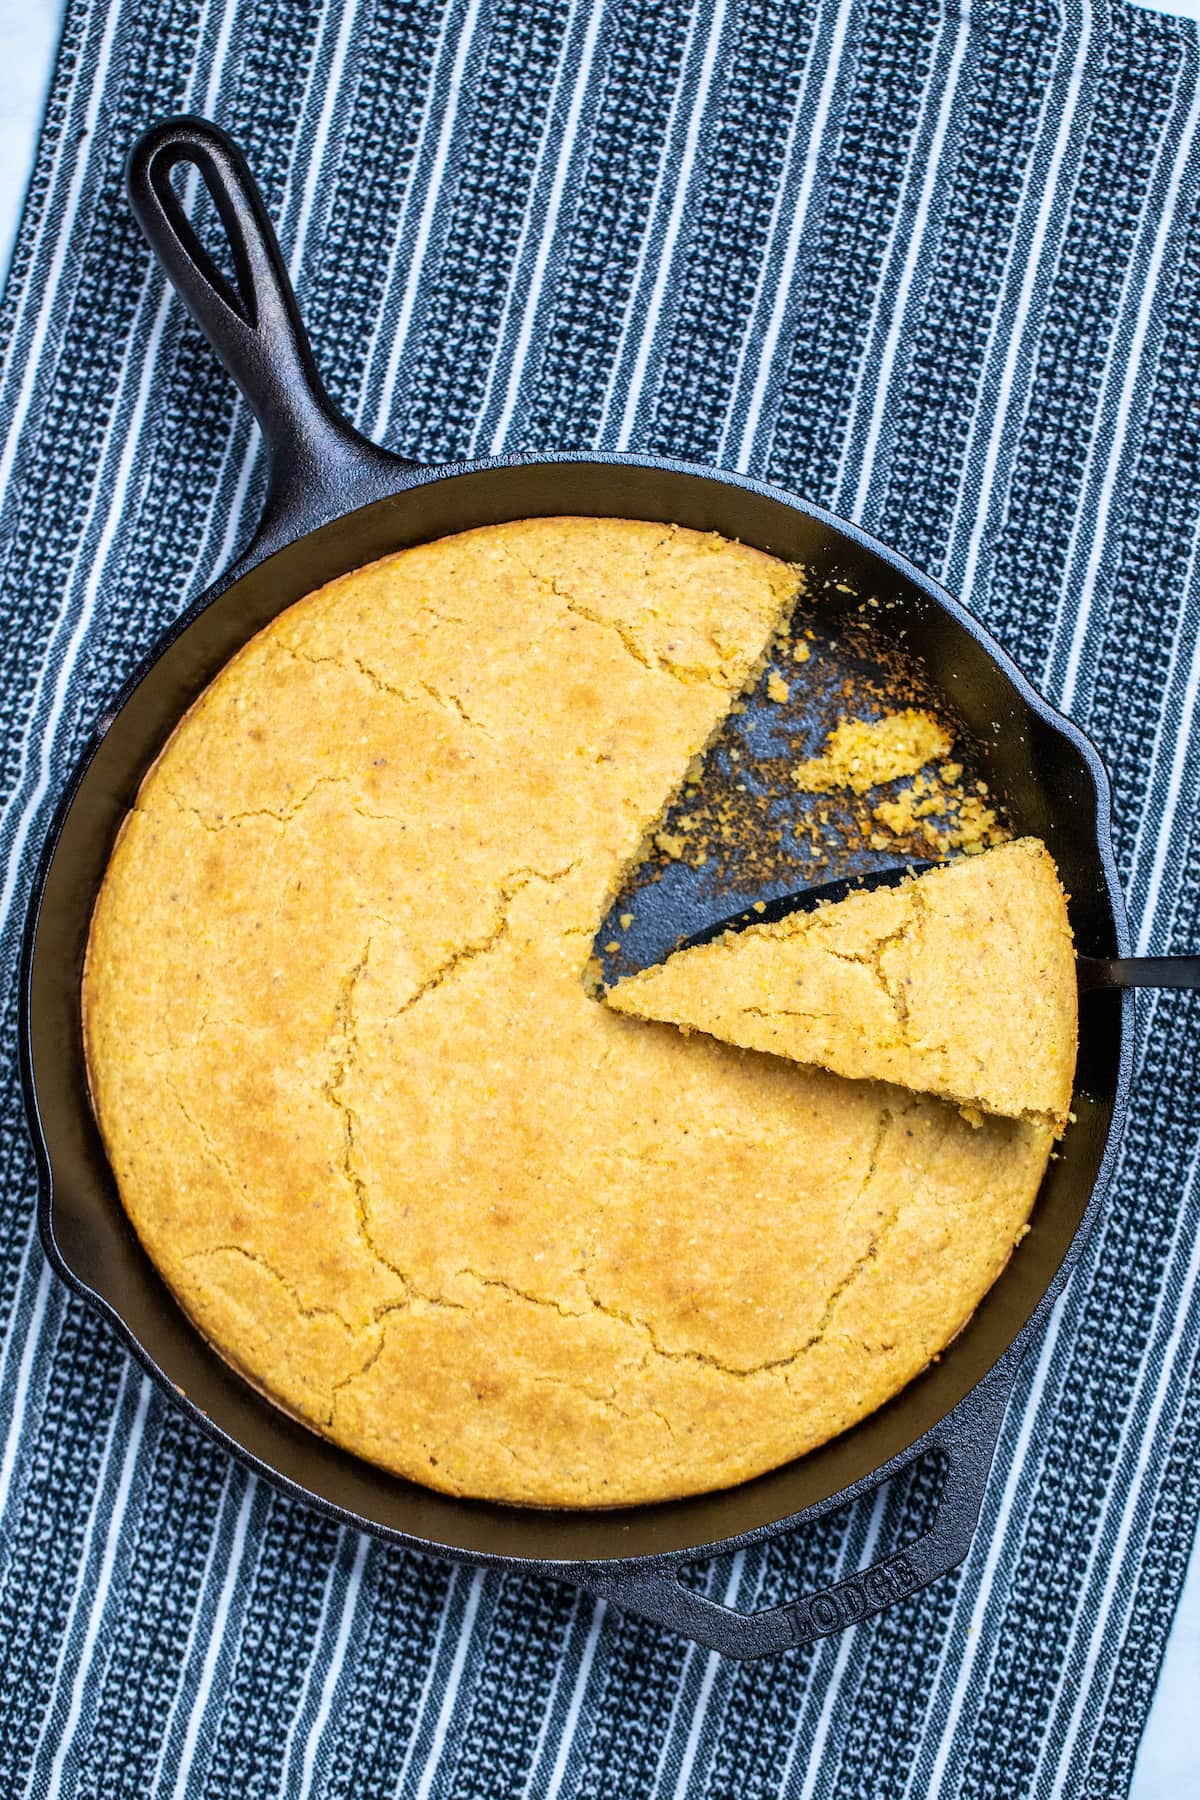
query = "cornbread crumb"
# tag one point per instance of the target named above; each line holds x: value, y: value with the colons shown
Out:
x: 967, y: 823
x: 861, y: 753
x: 777, y: 688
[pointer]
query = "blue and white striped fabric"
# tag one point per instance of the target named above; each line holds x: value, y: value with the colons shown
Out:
x: 935, y: 265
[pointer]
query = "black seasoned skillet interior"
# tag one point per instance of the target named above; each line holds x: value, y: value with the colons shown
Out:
x: 336, y: 502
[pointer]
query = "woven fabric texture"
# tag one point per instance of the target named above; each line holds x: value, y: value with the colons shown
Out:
x: 936, y: 266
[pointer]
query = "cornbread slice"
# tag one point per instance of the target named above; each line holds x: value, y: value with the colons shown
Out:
x: 394, y: 1161
x: 958, y: 982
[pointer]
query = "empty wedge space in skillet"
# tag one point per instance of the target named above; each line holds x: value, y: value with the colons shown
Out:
x: 958, y: 982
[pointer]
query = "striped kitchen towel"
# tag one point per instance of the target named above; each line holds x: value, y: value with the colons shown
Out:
x: 935, y: 264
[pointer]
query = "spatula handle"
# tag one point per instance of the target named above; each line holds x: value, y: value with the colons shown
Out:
x: 1138, y: 972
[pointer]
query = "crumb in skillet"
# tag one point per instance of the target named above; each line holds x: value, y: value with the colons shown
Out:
x: 860, y: 753
x: 945, y: 817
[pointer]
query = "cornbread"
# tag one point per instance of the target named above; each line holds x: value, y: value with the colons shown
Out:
x: 958, y: 982
x: 395, y: 1161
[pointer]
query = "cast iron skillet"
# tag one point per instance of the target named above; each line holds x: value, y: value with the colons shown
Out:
x: 335, y: 501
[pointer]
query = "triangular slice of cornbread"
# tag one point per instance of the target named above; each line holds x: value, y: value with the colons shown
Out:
x: 959, y: 982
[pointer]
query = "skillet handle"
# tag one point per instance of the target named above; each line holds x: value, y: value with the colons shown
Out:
x: 966, y: 1440
x: 318, y: 459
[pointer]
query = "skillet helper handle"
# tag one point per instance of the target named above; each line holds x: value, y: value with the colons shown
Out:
x: 254, y: 326
x: 966, y: 1440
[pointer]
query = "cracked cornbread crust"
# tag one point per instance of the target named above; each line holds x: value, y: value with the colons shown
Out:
x: 958, y: 982
x: 393, y: 1160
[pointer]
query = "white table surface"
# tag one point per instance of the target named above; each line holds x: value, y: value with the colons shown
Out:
x: 1168, y: 1766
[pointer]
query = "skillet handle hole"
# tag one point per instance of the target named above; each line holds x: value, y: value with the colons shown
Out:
x: 209, y: 232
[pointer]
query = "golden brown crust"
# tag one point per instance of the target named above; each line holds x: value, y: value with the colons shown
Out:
x: 960, y: 982
x: 392, y: 1158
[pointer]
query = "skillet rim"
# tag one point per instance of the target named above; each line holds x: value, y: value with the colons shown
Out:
x: 379, y: 477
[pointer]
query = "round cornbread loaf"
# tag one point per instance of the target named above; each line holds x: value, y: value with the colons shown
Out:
x: 397, y: 1163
